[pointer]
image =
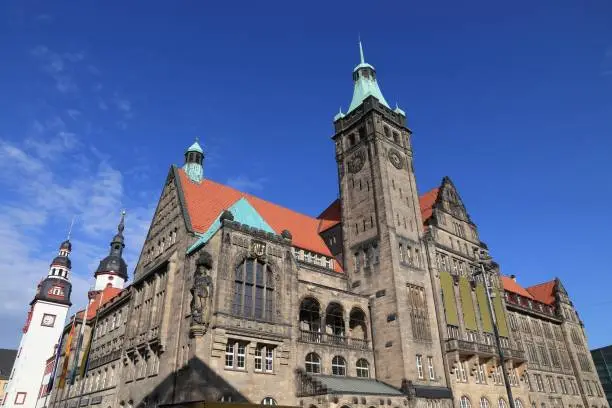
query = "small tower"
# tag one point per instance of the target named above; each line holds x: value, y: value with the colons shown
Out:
x: 112, y: 270
x: 43, y: 327
x: 194, y: 158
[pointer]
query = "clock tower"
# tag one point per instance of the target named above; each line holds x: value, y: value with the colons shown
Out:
x: 383, y: 250
x: 41, y: 331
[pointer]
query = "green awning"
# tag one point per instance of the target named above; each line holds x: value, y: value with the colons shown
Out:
x: 485, y: 315
x: 500, y: 314
x: 448, y: 295
x: 467, y: 304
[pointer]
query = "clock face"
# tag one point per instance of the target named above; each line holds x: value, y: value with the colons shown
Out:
x: 396, y: 159
x: 356, y: 162
x: 48, y: 320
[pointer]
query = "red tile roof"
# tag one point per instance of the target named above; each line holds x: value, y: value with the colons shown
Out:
x: 543, y: 292
x: 511, y: 286
x: 331, y: 216
x: 206, y: 200
x: 427, y: 201
x: 99, y: 300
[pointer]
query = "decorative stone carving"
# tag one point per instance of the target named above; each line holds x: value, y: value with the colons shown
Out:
x: 201, y: 295
x: 355, y: 163
x: 396, y: 158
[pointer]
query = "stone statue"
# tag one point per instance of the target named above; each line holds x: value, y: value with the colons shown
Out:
x: 201, y: 292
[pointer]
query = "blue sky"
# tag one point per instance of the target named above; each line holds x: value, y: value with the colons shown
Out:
x: 514, y: 103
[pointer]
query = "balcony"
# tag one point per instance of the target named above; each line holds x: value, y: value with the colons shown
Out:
x: 518, y: 356
x: 469, y: 348
x: 333, y: 340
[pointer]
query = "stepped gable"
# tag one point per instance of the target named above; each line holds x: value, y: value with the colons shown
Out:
x: 511, y: 286
x: 206, y: 200
x: 543, y: 292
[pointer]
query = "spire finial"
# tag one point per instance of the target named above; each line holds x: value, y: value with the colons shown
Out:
x: 197, y: 138
x: 362, y: 59
x: 121, y: 225
x: 70, y: 229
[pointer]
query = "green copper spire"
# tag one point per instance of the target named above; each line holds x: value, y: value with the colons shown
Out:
x: 364, y: 76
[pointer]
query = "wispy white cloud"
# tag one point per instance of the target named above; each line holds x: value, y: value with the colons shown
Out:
x: 245, y: 183
x: 95, y: 196
x: 74, y: 113
x: 55, y: 65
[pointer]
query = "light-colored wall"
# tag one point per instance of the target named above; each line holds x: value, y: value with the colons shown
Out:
x: 36, y: 345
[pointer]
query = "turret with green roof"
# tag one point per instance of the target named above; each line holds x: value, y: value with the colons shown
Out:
x: 194, y: 157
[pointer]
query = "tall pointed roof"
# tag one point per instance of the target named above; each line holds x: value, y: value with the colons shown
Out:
x: 195, y: 147
x: 364, y: 77
x: 114, y: 262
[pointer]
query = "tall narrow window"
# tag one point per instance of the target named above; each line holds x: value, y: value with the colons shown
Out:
x: 464, y: 402
x: 430, y: 367
x: 419, y: 366
x: 253, y: 291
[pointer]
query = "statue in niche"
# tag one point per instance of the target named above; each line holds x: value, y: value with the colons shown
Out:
x: 201, y: 293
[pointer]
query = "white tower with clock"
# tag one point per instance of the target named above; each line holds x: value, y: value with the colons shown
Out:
x: 41, y: 332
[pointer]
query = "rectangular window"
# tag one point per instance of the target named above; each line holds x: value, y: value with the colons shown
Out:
x: 539, y: 382
x: 229, y: 355
x: 264, y: 358
x: 20, y: 398
x: 430, y: 366
x: 587, y: 385
x: 463, y: 371
x: 419, y: 317
x: 574, y: 386
x: 258, y: 359
x: 551, y: 384
x: 419, y: 365
x: 543, y: 354
x: 562, y: 385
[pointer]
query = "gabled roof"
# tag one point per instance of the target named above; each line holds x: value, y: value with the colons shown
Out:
x: 544, y: 292
x: 511, y: 286
x: 206, y: 200
x: 331, y: 216
x: 426, y: 202
x: 101, y: 298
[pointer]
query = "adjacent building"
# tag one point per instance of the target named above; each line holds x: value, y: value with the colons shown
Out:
x: 7, y: 358
x: 602, y: 357
x: 381, y: 300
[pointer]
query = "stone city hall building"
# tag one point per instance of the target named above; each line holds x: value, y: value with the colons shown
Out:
x: 376, y: 302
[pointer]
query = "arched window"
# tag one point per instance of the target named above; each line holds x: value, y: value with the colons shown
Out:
x: 313, y: 363
x: 484, y: 403
x: 253, y: 290
x: 357, y: 324
x: 518, y: 403
x: 334, y: 322
x: 310, y: 318
x: 501, y: 403
x: 363, y: 368
x: 268, y: 401
x: 464, y: 402
x: 338, y: 366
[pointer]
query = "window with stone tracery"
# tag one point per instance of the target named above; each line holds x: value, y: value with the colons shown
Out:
x: 253, y: 290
